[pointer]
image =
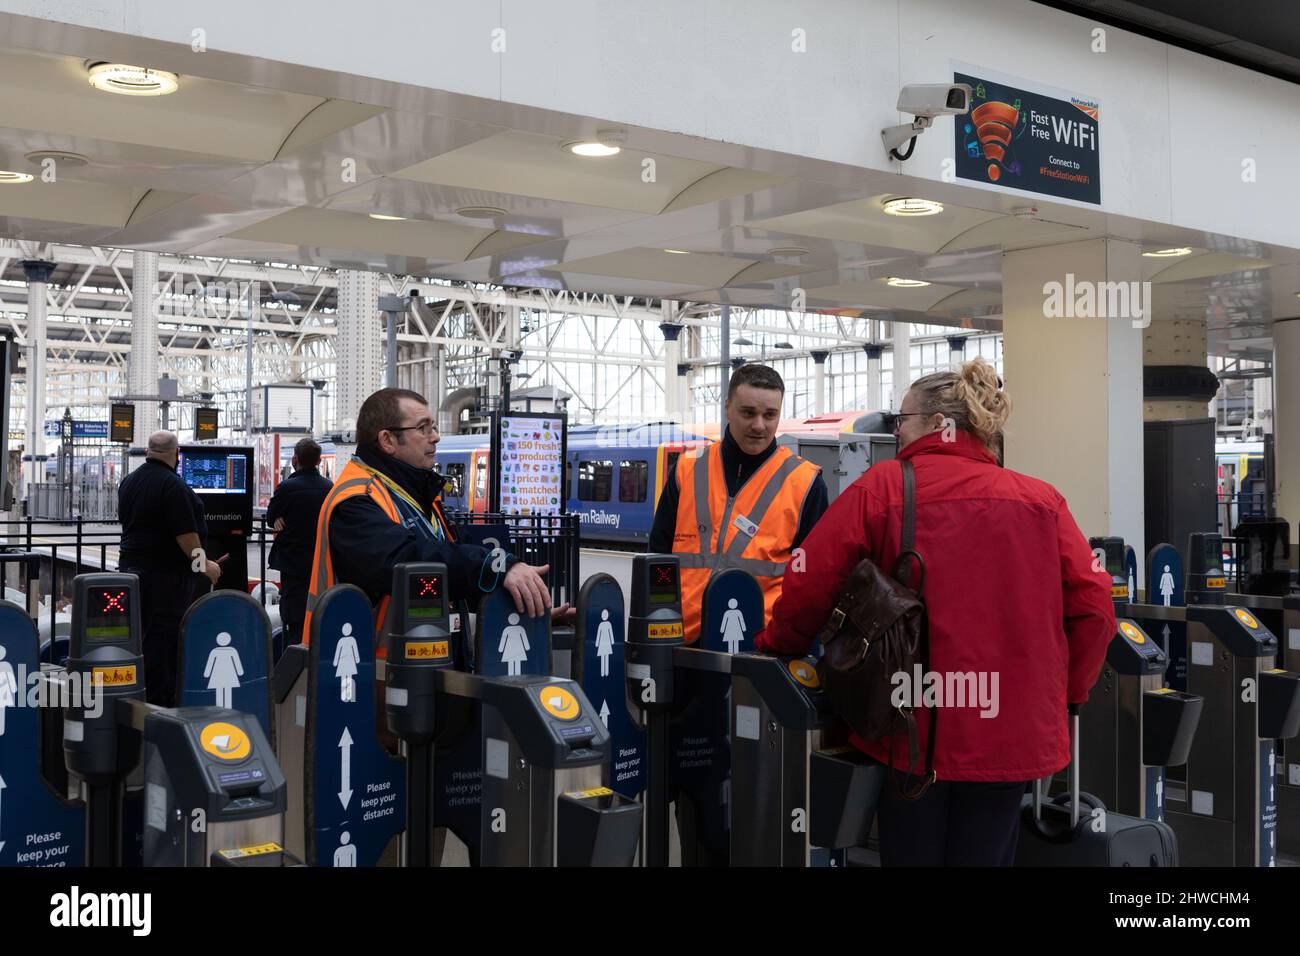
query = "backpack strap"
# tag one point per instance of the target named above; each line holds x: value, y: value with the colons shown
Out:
x: 907, y: 549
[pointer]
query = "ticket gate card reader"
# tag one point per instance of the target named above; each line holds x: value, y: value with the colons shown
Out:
x: 1229, y: 816
x: 654, y: 630
x: 419, y: 642
x: 103, y: 651
x: 215, y: 795
x: 1206, y: 581
x: 1133, y: 726
x: 1110, y: 551
x: 546, y: 760
x: 798, y: 788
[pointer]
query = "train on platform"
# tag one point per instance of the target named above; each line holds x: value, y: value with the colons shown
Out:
x: 614, y: 474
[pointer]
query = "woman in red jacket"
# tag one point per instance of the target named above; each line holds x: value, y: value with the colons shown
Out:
x: 1019, y: 617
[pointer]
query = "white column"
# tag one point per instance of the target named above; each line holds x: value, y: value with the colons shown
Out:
x: 874, y: 399
x: 1076, y: 379
x: 819, y: 380
x: 902, y: 360
x: 142, y: 363
x: 360, y: 344
x: 37, y: 273
x: 1176, y: 350
x: 1286, y: 422
x: 672, y: 358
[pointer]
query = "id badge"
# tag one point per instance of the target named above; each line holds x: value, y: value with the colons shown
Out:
x: 745, y: 526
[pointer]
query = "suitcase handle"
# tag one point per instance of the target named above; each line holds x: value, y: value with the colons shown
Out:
x: 1038, y: 785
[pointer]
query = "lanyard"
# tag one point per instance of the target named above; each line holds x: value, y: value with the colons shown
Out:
x: 403, y: 496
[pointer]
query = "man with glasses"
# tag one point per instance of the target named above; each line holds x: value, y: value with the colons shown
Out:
x: 383, y: 511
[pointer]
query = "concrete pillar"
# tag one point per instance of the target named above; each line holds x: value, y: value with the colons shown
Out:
x: 874, y: 400
x: 360, y: 344
x: 682, y: 382
x: 956, y: 349
x: 902, y: 360
x: 1286, y: 422
x: 672, y: 358
x: 1073, y: 369
x: 819, y: 357
x: 440, y: 376
x: 37, y: 272
x: 1178, y: 380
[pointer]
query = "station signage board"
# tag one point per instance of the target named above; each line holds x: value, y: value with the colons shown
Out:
x: 1029, y: 138
x: 528, y: 450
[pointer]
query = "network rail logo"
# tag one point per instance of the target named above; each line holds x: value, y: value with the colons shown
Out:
x: 1085, y: 299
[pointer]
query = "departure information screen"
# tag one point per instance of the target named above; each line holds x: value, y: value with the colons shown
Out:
x: 663, y: 584
x: 108, y: 613
x: 214, y: 473
x: 424, y: 595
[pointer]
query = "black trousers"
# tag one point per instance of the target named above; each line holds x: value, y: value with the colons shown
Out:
x: 954, y: 823
x: 293, y: 606
x: 164, y: 599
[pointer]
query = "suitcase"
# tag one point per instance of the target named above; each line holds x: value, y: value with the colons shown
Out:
x: 1075, y: 829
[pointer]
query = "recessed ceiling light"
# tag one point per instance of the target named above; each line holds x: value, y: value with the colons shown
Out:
x: 907, y: 206
x: 8, y: 178
x: 61, y: 157
x: 793, y: 252
x: 592, y: 150
x: 132, y: 80
x: 899, y: 283
x: 678, y: 252
x: 382, y: 218
x: 1168, y: 253
x: 480, y: 212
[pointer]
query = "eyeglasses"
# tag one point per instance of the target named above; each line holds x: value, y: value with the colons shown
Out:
x: 897, y: 418
x: 424, y: 428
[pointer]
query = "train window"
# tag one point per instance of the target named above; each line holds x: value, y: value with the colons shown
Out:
x: 480, y: 477
x: 456, y: 475
x: 632, y: 479
x: 594, y: 480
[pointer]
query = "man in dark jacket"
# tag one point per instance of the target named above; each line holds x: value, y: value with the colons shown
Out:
x: 163, y: 543
x: 292, y: 513
x: 382, y: 511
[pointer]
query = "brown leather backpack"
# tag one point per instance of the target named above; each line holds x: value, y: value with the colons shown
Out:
x: 878, y: 629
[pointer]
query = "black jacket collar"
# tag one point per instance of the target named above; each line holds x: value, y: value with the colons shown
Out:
x: 419, y: 483
x: 733, y: 455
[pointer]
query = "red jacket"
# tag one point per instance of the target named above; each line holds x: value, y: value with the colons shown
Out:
x: 1010, y: 591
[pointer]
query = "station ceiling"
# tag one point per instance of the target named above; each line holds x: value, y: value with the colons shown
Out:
x: 273, y: 162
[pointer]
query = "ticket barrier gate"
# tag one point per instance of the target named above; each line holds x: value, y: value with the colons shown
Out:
x: 545, y: 799
x: 1226, y: 814
x: 1132, y: 725
x: 531, y: 738
x: 227, y: 779
x: 801, y: 791
x: 792, y: 795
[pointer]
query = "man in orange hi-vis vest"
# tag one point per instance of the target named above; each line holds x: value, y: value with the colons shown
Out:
x: 742, y: 502
x: 382, y: 511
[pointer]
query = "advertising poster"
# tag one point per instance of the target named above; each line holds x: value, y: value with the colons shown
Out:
x: 528, y: 451
x: 1020, y: 138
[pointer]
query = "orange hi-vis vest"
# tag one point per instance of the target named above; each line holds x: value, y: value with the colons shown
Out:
x: 355, y: 479
x: 754, y: 531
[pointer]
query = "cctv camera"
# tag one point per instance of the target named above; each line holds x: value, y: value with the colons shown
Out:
x: 934, y: 99
x: 924, y: 101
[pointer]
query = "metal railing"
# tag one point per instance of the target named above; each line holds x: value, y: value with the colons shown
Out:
x: 85, y: 545
x: 68, y: 541
x: 536, y: 539
x: 67, y: 502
